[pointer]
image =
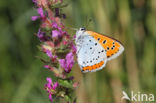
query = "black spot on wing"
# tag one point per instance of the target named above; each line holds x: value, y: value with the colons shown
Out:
x: 104, y: 41
x: 107, y: 48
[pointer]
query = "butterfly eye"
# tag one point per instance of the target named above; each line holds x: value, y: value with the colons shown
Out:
x: 82, y: 29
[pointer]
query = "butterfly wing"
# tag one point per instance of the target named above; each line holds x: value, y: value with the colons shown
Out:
x: 113, y: 48
x: 91, y: 55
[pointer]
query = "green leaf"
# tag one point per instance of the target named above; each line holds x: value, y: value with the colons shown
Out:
x: 68, y: 99
x: 65, y: 83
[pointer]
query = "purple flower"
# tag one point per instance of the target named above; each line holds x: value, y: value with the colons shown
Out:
x: 74, y: 36
x: 49, y: 53
x: 41, y: 35
x: 34, y: 18
x: 51, y: 88
x: 46, y: 66
x: 68, y: 62
x: 57, y: 12
x: 34, y: 1
x: 74, y: 48
x: 64, y: 16
x: 54, y: 25
x: 55, y: 33
x: 41, y: 13
x: 50, y: 98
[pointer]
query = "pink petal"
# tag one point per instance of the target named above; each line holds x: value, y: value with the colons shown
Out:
x: 34, y: 18
x: 74, y: 48
x: 54, y: 25
x: 69, y: 56
x: 34, y: 1
x: 46, y: 66
x: 55, y: 33
x: 49, y: 80
x: 62, y: 63
x: 50, y: 97
x: 40, y: 11
x: 56, y: 84
x: 49, y: 53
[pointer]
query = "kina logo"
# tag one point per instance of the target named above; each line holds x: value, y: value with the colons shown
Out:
x: 137, y: 96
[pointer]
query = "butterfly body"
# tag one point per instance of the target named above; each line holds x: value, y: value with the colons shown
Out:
x: 94, y: 50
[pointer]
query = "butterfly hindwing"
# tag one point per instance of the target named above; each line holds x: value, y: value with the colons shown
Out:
x: 113, y: 48
x: 91, y: 55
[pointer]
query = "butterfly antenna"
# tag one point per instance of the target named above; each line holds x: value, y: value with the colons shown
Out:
x: 75, y: 29
x: 89, y: 21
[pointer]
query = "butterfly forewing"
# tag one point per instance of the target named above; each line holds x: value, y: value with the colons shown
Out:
x: 112, y: 47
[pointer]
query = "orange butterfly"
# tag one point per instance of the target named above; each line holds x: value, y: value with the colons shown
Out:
x: 94, y: 50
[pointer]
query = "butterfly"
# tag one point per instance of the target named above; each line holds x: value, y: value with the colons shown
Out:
x: 94, y: 50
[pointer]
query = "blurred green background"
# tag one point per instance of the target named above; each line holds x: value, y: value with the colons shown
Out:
x: 133, y: 22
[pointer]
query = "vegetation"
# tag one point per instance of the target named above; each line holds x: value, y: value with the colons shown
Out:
x: 22, y: 76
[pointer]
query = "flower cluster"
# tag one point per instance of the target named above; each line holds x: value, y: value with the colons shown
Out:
x: 58, y: 46
x: 51, y: 88
x: 68, y: 62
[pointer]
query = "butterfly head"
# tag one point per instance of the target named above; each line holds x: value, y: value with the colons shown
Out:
x: 80, y: 33
x: 82, y: 29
